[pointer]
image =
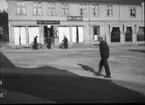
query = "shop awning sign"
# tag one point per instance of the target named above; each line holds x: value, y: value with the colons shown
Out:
x: 75, y: 18
x: 47, y: 22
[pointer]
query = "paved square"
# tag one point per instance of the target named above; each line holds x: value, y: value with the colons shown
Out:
x: 126, y: 63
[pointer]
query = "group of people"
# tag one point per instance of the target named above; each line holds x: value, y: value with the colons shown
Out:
x: 104, y: 52
x: 48, y: 40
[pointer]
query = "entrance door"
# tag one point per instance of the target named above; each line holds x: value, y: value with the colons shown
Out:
x: 33, y: 32
x: 77, y: 35
x: 49, y: 32
x: 20, y: 35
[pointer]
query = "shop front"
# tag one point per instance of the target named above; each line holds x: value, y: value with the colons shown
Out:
x: 23, y: 35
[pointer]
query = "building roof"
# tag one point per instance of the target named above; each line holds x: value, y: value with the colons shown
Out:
x: 129, y: 2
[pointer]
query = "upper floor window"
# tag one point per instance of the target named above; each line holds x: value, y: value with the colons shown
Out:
x: 96, y: 32
x: 21, y: 9
x: 133, y: 12
x: 51, y: 9
x: 95, y: 9
x: 83, y: 10
x: 65, y: 9
x: 109, y: 10
x: 37, y: 8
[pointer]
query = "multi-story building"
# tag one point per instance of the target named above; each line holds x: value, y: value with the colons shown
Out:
x: 81, y: 21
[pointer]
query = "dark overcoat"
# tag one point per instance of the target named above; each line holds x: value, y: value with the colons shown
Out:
x: 104, y: 50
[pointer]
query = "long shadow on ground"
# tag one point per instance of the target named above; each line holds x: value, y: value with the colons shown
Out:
x: 64, y: 87
x: 88, y: 68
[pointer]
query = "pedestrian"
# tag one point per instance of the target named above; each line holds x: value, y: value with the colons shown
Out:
x: 48, y: 42
x: 104, y: 54
x: 35, y: 42
x: 65, y: 42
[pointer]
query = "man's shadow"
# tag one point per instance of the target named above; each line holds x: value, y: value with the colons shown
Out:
x: 87, y: 68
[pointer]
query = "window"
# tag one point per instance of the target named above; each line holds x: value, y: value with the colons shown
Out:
x: 83, y: 10
x: 133, y: 12
x: 95, y: 9
x: 141, y: 34
x: 128, y: 34
x: 51, y: 9
x: 115, y: 34
x: 37, y: 9
x: 109, y: 10
x: 65, y: 9
x: 96, y: 32
x: 21, y: 9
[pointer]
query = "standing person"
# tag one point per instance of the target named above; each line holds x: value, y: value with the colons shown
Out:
x: 104, y: 53
x: 65, y: 42
x: 35, y: 42
x: 48, y: 41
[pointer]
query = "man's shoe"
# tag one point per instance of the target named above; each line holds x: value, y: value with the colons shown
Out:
x: 98, y: 73
x: 109, y: 76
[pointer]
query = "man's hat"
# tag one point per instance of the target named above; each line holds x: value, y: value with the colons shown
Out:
x: 100, y: 37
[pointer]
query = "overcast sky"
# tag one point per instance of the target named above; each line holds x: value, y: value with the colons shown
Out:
x: 3, y: 4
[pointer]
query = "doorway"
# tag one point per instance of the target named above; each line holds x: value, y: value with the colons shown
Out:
x: 49, y: 32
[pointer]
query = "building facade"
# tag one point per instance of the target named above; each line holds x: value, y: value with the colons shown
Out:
x: 81, y: 21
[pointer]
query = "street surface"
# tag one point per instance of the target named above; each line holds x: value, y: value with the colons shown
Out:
x: 69, y: 75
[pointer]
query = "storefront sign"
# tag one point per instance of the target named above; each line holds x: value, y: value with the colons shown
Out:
x: 75, y: 18
x: 47, y: 22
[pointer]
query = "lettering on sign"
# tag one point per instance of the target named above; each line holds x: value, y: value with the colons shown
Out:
x: 47, y: 22
x: 75, y: 18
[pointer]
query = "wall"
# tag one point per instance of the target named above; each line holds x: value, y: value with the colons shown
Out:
x: 120, y: 17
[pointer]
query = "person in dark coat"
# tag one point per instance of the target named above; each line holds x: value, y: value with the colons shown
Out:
x: 48, y: 41
x: 65, y: 42
x: 104, y: 53
x: 35, y: 43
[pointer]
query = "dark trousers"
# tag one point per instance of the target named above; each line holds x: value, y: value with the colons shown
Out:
x: 35, y: 46
x: 104, y: 63
x: 48, y: 46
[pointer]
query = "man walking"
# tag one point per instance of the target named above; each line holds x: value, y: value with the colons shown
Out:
x: 104, y: 53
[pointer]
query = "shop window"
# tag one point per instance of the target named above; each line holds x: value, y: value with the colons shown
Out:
x: 65, y: 9
x: 33, y: 32
x: 128, y: 34
x: 95, y: 9
x: 63, y: 31
x: 37, y: 8
x: 109, y: 10
x: 51, y: 9
x: 77, y: 34
x: 115, y: 34
x: 21, y: 9
x: 83, y: 10
x: 141, y: 34
x: 96, y: 32
x: 132, y: 12
x: 20, y: 35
